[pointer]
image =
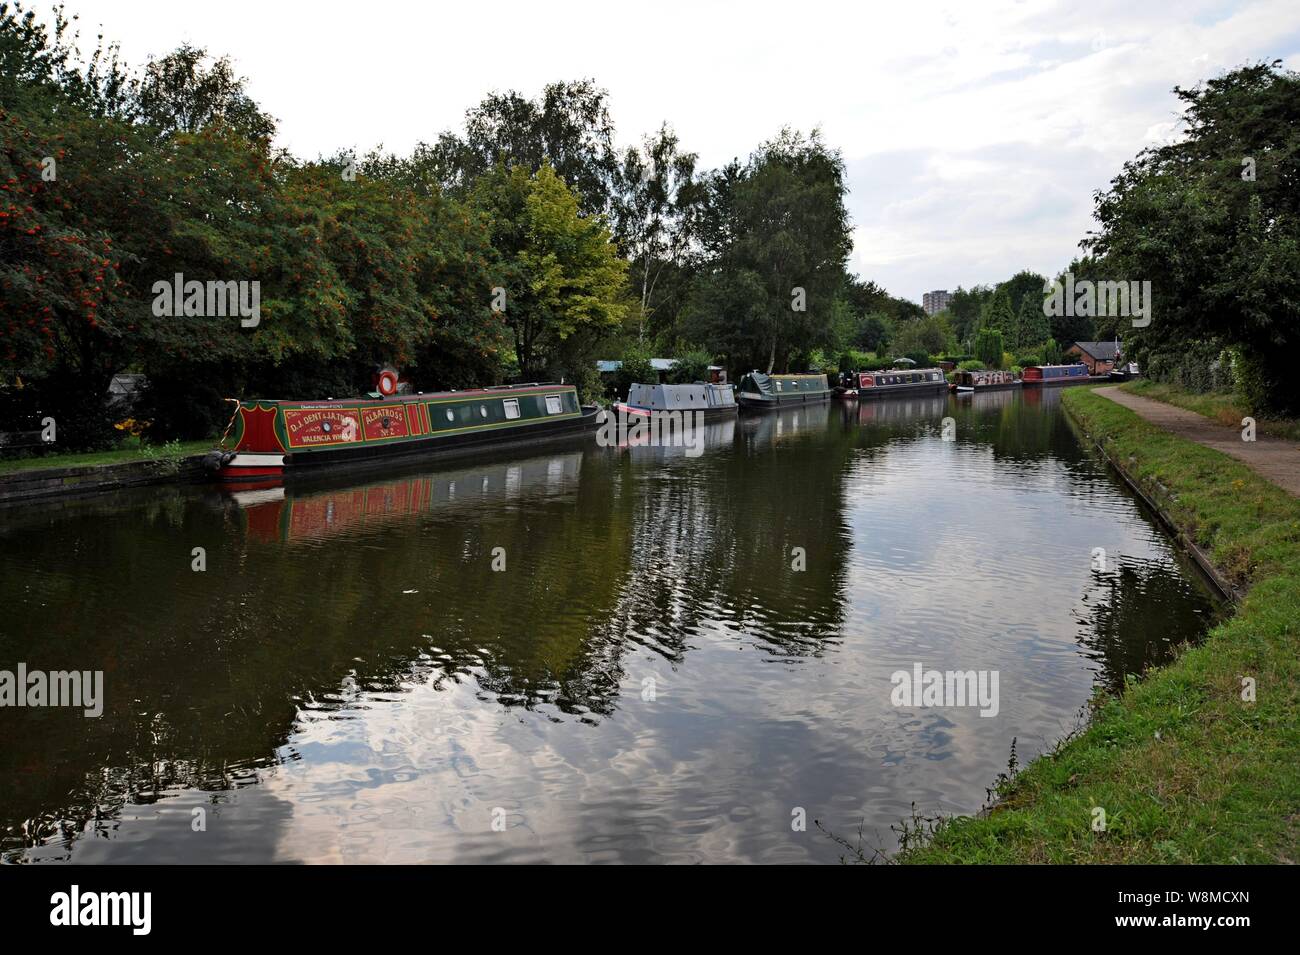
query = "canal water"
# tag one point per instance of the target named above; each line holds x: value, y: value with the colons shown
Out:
x: 580, y: 654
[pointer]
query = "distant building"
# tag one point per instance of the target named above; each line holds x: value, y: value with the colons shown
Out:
x: 1100, y: 357
x: 935, y: 302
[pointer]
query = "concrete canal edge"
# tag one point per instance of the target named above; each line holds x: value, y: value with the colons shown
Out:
x: 18, y: 487
x: 1195, y: 761
x: 1152, y: 496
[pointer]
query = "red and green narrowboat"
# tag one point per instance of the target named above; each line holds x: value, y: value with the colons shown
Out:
x: 768, y: 392
x: 272, y: 440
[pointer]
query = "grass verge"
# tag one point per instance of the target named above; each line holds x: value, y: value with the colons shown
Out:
x: 158, y: 452
x: 1224, y: 409
x: 1185, y: 768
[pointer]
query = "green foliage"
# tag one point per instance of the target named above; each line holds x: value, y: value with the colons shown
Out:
x: 692, y: 365
x: 567, y: 127
x: 636, y: 369
x: 998, y: 315
x: 988, y: 348
x: 927, y: 335
x: 1220, y: 246
x: 562, y: 276
x: 964, y: 310
x: 775, y: 237
x: 874, y: 332
x: 658, y: 192
x: 1032, y: 328
x: 1022, y: 287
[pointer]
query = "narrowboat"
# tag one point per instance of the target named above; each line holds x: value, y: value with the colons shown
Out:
x: 1125, y: 372
x: 767, y: 392
x: 712, y: 400
x: 889, y: 382
x: 1050, y: 376
x: 966, y: 382
x: 273, y: 440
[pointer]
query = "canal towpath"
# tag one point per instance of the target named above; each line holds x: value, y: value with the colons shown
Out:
x: 1275, y: 459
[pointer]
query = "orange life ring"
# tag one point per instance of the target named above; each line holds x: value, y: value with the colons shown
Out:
x: 388, y: 382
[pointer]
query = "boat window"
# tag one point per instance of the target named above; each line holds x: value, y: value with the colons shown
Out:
x: 778, y: 386
x: 482, y: 410
x: 553, y: 405
x: 512, y: 408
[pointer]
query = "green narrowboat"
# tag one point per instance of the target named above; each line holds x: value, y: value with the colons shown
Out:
x: 767, y: 392
x: 275, y: 439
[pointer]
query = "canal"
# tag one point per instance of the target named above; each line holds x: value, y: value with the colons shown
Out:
x: 574, y: 653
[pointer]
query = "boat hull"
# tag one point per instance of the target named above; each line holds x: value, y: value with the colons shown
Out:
x: 892, y: 391
x: 716, y: 413
x: 758, y: 402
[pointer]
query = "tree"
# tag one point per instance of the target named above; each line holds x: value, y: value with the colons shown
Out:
x: 775, y: 235
x: 874, y: 332
x: 564, y: 281
x: 930, y: 335
x: 965, y: 308
x: 1213, y: 223
x: 1021, y: 286
x: 568, y: 128
x: 181, y: 93
x: 652, y: 210
x: 998, y: 315
x: 988, y: 347
x: 1069, y: 328
x: 692, y: 365
x: 1032, y: 328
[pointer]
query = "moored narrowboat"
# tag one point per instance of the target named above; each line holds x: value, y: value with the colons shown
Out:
x: 966, y: 382
x: 1049, y: 376
x: 892, y: 381
x: 273, y: 440
x: 711, y: 400
x: 767, y: 392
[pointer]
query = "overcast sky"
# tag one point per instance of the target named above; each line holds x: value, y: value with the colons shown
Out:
x: 974, y: 133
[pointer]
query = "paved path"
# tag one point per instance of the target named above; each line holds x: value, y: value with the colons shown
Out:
x: 1274, y: 459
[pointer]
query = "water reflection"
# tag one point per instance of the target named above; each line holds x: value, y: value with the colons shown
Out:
x: 635, y: 653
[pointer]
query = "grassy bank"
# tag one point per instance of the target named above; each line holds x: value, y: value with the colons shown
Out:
x: 1225, y: 409
x: 1185, y: 769
x: 159, y: 452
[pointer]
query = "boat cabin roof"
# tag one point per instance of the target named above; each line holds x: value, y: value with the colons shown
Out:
x: 492, y: 391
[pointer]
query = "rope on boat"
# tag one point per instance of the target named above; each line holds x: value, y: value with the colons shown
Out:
x: 229, y: 424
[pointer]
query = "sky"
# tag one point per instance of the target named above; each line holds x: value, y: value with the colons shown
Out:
x: 974, y: 134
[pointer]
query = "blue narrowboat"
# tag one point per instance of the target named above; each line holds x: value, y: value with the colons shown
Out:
x: 1051, y: 375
